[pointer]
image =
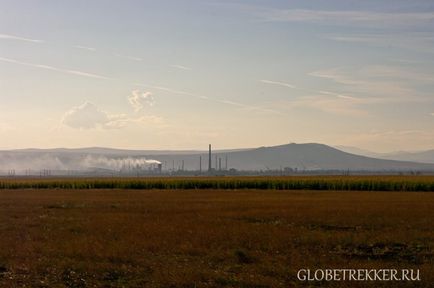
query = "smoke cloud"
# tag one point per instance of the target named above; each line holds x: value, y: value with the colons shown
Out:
x: 117, y: 163
x: 79, y: 162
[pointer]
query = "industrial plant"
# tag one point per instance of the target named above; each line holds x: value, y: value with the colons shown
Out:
x: 101, y: 163
x: 287, y: 159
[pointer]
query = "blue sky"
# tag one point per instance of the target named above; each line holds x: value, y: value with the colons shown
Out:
x: 182, y: 74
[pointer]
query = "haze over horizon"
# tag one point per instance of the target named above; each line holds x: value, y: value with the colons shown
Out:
x: 178, y: 75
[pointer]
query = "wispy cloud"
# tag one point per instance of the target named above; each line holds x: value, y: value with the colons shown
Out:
x: 341, y: 17
x: 85, y: 48
x: 52, y: 68
x: 133, y: 58
x: 413, y: 41
x: 339, y: 95
x: 366, y: 86
x: 331, y: 103
x: 19, y: 38
x: 202, y: 97
x: 86, y: 74
x: 278, y: 83
x: 390, y: 84
x: 395, y: 139
x: 180, y: 67
x: 139, y: 100
x: 326, y: 101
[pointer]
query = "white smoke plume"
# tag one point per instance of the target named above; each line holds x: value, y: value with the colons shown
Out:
x: 84, y: 162
x: 117, y: 163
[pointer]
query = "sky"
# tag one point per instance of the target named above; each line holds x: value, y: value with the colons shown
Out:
x: 182, y: 74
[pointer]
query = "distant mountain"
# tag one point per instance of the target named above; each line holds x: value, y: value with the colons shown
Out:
x: 420, y: 156
x: 313, y: 156
x: 358, y: 151
x: 423, y: 156
x: 310, y: 156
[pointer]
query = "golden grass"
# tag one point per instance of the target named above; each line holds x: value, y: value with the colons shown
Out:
x: 209, y: 238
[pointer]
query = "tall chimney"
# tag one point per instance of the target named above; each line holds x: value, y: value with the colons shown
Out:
x: 209, y: 159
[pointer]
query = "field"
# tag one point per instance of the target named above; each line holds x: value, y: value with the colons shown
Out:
x: 191, y: 237
x: 333, y: 183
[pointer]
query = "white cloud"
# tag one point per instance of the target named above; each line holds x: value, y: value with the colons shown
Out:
x: 52, y: 68
x: 339, y: 95
x: 86, y: 74
x: 180, y: 67
x: 90, y: 116
x: 85, y: 116
x: 128, y: 57
x: 85, y: 48
x: 18, y: 38
x: 278, y: 83
x: 139, y: 100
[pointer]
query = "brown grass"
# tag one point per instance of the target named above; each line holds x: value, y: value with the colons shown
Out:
x: 209, y: 238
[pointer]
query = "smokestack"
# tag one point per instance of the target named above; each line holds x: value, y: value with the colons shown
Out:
x: 209, y: 159
x: 200, y: 164
x: 220, y: 164
x: 226, y: 165
x: 216, y: 163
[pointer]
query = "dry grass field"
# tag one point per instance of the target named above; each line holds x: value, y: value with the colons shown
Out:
x: 209, y: 238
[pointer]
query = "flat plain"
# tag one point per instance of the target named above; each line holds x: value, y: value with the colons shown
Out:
x: 210, y: 237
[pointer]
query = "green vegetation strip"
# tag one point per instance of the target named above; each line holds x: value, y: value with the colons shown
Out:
x: 348, y: 183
